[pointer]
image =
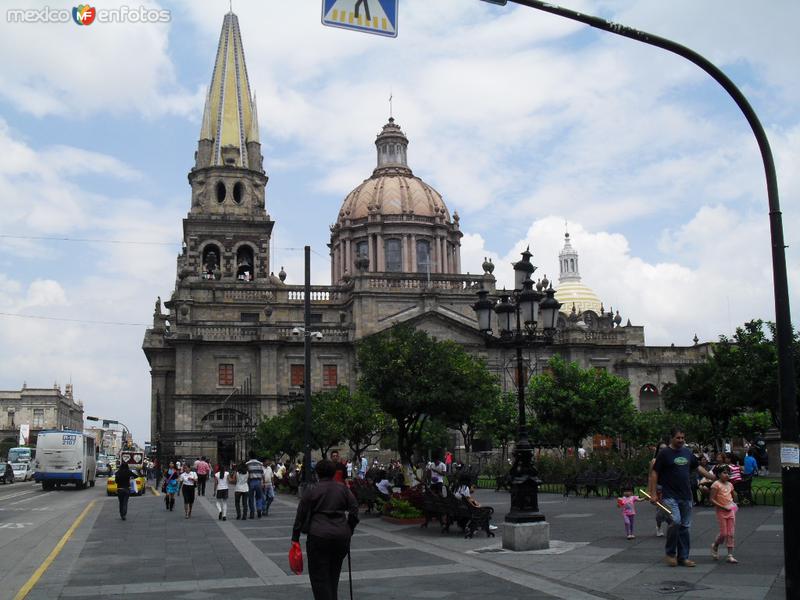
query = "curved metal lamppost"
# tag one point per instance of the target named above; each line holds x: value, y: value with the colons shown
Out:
x: 790, y: 435
x: 525, y: 318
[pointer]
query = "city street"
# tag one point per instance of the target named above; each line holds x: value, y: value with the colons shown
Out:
x: 156, y: 551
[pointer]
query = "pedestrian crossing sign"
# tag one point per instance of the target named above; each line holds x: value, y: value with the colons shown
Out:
x: 370, y: 16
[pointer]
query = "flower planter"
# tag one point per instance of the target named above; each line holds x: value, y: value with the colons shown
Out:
x: 409, y: 521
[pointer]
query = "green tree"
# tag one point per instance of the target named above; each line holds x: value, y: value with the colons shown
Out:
x: 570, y: 403
x: 741, y: 376
x: 415, y: 378
x: 280, y: 435
x: 362, y: 420
x: 473, y: 391
x: 285, y: 433
x: 497, y: 420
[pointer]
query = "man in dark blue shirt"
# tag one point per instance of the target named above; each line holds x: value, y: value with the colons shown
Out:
x: 671, y: 472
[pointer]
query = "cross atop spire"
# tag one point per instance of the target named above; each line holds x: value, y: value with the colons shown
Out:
x: 230, y: 120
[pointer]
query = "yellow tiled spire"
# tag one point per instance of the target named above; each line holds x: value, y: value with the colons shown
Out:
x: 229, y: 118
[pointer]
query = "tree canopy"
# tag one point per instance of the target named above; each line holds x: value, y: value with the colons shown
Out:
x: 570, y: 403
x: 415, y: 378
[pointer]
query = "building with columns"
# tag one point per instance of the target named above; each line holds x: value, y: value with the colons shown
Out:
x: 221, y: 350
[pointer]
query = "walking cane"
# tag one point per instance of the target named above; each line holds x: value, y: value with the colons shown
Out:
x: 349, y: 572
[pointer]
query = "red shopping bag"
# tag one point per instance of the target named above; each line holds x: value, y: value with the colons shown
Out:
x: 296, y: 558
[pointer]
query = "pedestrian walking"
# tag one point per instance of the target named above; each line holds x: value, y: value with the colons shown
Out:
x: 221, y: 492
x: 188, y: 481
x: 241, y: 491
x: 722, y: 498
x: 671, y: 471
x: 170, y: 486
x: 268, y: 488
x: 661, y: 516
x: 328, y: 514
x: 341, y: 469
x: 255, y: 478
x: 203, y: 469
x: 628, y: 505
x: 123, y: 478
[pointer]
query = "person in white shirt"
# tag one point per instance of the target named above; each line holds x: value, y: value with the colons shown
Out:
x: 188, y: 483
x: 438, y: 469
x: 384, y: 486
x: 268, y: 493
x: 349, y: 467
x: 221, y: 492
x: 241, y: 491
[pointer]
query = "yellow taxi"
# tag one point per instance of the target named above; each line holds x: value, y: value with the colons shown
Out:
x: 141, y: 484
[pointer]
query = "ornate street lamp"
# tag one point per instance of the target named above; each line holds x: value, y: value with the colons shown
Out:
x: 525, y: 318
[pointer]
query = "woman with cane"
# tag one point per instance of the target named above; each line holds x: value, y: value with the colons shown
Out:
x: 328, y: 514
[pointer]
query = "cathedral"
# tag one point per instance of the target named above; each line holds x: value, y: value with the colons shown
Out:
x: 224, y: 351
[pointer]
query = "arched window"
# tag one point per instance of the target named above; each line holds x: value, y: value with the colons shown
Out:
x: 220, y: 191
x: 211, y: 261
x: 245, y: 265
x: 648, y: 398
x: 571, y: 264
x: 362, y: 250
x: 238, y: 192
x: 423, y: 256
x: 393, y: 254
x: 224, y: 419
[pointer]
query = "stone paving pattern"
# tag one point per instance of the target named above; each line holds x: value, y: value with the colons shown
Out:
x: 156, y: 551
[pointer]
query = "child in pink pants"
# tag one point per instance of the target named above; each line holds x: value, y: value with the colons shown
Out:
x: 722, y: 498
x: 627, y: 504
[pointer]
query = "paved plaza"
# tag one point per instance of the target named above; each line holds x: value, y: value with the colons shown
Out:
x: 155, y: 551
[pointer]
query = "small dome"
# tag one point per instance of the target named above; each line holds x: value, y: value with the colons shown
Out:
x: 581, y: 296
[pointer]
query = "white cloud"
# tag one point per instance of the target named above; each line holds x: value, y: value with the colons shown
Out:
x: 719, y: 275
x: 71, y: 71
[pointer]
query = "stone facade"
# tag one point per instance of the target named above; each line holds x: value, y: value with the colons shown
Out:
x: 40, y: 408
x: 224, y: 354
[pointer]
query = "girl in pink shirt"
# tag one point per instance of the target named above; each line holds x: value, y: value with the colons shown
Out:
x: 627, y: 504
x: 722, y: 498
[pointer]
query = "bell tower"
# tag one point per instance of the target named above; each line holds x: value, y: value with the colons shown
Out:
x: 227, y: 230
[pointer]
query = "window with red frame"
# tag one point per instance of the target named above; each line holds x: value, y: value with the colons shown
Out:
x: 226, y: 375
x: 330, y: 376
x: 297, y: 375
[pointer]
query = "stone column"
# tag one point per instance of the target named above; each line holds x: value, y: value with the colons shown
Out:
x: 457, y: 247
x: 373, y: 266
x: 348, y: 257
x: 381, y: 266
x: 412, y: 268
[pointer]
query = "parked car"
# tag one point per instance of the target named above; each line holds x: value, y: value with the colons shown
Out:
x: 141, y: 484
x: 22, y: 471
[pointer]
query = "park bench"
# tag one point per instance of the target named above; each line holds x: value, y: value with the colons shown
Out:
x: 586, y: 481
x: 449, y: 509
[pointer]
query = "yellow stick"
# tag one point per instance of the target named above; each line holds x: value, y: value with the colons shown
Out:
x: 658, y: 504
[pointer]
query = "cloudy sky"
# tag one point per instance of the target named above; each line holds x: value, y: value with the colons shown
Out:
x: 522, y: 120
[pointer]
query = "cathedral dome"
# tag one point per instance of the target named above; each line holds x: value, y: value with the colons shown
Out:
x: 393, y: 189
x: 394, y: 222
x: 393, y: 194
x: 571, y: 290
x: 579, y: 294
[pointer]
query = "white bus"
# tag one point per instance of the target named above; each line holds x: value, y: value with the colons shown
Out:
x: 64, y: 456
